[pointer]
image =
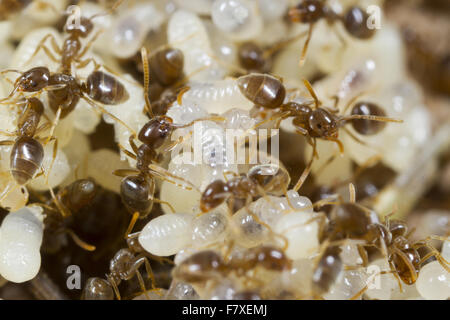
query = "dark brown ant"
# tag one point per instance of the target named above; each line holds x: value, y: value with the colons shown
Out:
x: 315, y: 122
x: 123, y: 267
x: 206, y: 265
x: 311, y: 11
x: 27, y: 152
x: 244, y: 187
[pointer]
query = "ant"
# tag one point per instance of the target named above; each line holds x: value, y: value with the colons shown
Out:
x: 310, y: 12
x: 208, y: 264
x: 27, y: 151
x: 138, y: 186
x: 321, y: 122
x: 256, y: 183
x: 123, y: 267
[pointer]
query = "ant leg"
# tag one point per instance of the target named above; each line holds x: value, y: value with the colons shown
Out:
x: 114, y: 285
x: 7, y: 142
x: 370, y: 117
x: 82, y: 244
x: 161, y: 172
x: 124, y: 172
x: 164, y: 202
x: 352, y: 192
x: 302, y: 60
x: 132, y: 144
x: 103, y: 110
x: 89, y: 44
x: 338, y: 142
x: 127, y: 152
x: 52, y: 129
x: 226, y: 172
x: 134, y: 218
x: 55, y: 151
x: 307, y: 170
x: 41, y: 45
x: 180, y: 95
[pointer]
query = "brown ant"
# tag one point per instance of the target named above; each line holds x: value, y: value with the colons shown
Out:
x: 206, y: 265
x: 27, y: 152
x: 311, y: 11
x: 256, y: 183
x: 123, y: 267
x: 321, y: 122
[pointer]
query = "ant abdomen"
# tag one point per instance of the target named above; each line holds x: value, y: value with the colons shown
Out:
x: 166, y: 66
x: 355, y: 22
x: 137, y: 193
x: 105, y: 89
x: 251, y: 57
x: 97, y: 289
x: 367, y: 127
x: 79, y: 194
x: 263, y: 90
x: 26, y: 157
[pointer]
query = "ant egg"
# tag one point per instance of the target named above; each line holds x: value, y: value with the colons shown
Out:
x: 20, y: 243
x: 347, y: 285
x: 239, y: 18
x: 433, y: 282
x: 56, y: 170
x: 167, y: 234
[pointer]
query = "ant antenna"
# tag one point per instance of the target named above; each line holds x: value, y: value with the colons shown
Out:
x: 311, y: 92
x: 144, y: 58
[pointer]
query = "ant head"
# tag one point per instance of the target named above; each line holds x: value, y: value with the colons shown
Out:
x: 34, y: 79
x: 307, y: 11
x: 323, y: 123
x: 81, y: 27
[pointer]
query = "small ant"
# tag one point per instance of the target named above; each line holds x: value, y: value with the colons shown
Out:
x: 208, y: 264
x: 123, y: 267
x: 256, y: 183
x: 311, y: 11
x: 269, y: 92
x: 27, y: 152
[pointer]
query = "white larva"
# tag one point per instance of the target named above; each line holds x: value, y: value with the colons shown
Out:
x: 20, y: 242
x: 167, y: 234
x: 301, y: 232
x: 217, y: 96
x: 433, y: 282
x: 186, y: 32
x: 210, y: 228
x: 198, y: 6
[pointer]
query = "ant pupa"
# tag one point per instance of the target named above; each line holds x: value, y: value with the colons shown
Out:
x: 310, y: 12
